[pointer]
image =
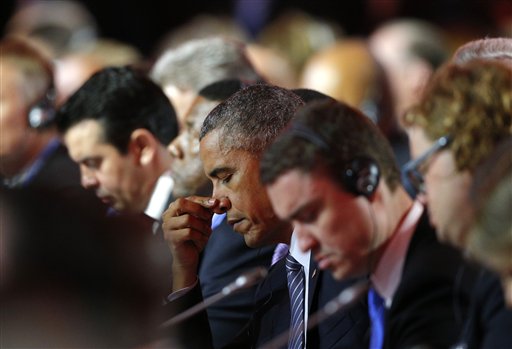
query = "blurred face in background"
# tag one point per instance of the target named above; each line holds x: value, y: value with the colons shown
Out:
x: 187, y: 170
x: 181, y: 100
x: 16, y: 136
x: 446, y: 190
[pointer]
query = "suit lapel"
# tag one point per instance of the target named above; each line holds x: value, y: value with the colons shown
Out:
x: 312, y: 279
x: 273, y: 305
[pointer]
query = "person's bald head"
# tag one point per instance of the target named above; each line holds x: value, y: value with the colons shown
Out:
x: 409, y: 50
x: 348, y: 72
x: 345, y: 71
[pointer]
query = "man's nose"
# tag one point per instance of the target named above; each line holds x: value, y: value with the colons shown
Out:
x: 306, y: 240
x: 88, y: 179
x: 224, y: 204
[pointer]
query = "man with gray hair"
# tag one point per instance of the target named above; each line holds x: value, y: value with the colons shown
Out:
x: 183, y: 71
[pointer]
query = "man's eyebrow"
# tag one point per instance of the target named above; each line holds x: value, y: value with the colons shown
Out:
x: 296, y: 213
x: 219, y: 170
x: 299, y: 210
x: 88, y: 159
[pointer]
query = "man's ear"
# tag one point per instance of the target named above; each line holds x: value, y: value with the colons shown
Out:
x: 143, y: 145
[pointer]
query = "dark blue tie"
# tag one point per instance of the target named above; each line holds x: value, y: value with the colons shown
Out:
x: 377, y: 312
x: 296, y: 289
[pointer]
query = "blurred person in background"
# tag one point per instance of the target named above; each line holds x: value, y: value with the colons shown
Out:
x: 201, y: 26
x: 297, y: 34
x: 59, y: 26
x: 31, y: 152
x: 74, y: 67
x: 464, y: 114
x: 184, y: 71
x: 348, y: 72
x: 409, y: 50
x: 73, y: 278
x: 490, y: 238
x: 273, y: 66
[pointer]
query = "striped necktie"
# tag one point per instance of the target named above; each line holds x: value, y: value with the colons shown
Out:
x: 296, y: 289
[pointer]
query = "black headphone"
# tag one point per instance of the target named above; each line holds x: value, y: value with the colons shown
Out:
x: 360, y: 177
x: 42, y: 113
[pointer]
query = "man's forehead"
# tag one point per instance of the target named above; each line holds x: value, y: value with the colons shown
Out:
x: 215, y: 155
x: 196, y: 115
x: 83, y: 136
x: 292, y: 190
x: 87, y: 128
x: 218, y: 142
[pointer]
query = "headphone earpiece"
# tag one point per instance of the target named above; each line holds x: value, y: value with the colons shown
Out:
x: 43, y: 112
x: 362, y: 176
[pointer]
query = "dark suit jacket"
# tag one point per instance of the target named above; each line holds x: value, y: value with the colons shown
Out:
x: 423, y: 306
x: 225, y: 257
x: 489, y: 322
x: 272, y: 315
x: 344, y: 330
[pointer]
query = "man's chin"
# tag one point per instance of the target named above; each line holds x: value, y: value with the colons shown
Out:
x: 119, y: 207
x: 253, y: 241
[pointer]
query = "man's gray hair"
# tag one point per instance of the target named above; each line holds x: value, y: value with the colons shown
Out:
x: 252, y: 118
x: 198, y: 63
x: 488, y: 49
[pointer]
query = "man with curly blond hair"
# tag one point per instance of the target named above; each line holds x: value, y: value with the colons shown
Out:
x: 469, y: 108
x: 464, y: 114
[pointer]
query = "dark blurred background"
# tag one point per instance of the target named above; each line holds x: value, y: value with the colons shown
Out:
x: 143, y: 23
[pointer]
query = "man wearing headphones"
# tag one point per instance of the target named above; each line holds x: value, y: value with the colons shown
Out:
x: 333, y: 175
x: 31, y: 154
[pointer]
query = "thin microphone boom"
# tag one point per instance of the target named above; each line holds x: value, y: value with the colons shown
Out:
x: 242, y: 282
x: 338, y: 303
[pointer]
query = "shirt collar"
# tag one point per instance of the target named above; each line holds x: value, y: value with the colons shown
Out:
x: 301, y: 257
x: 160, y: 197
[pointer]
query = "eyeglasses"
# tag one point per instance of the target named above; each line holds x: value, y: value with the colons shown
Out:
x: 413, y: 171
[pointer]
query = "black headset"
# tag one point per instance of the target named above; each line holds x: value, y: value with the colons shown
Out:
x: 360, y: 177
x: 42, y: 113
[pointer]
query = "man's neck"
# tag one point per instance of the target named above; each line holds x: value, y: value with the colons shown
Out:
x: 284, y: 233
x: 388, y: 214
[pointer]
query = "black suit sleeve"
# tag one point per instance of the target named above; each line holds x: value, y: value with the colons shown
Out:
x: 194, y: 332
x: 422, y: 313
x: 225, y: 257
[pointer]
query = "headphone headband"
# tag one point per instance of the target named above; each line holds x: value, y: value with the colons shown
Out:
x: 360, y: 177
